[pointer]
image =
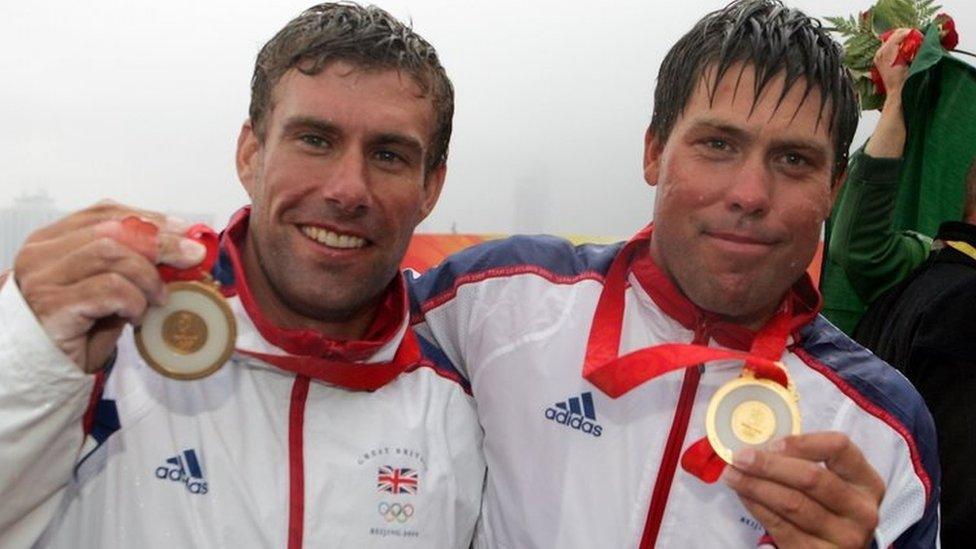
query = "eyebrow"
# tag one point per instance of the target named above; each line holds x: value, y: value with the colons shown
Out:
x: 401, y: 140
x: 324, y: 126
x: 309, y: 123
x: 746, y: 136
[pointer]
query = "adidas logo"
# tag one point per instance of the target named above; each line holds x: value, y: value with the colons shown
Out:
x: 184, y: 467
x: 577, y: 413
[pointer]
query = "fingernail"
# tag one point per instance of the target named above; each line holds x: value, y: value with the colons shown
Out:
x: 777, y: 445
x: 731, y: 476
x: 192, y: 250
x: 744, y: 458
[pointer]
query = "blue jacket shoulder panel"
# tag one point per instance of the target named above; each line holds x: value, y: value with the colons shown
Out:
x: 541, y: 254
x: 884, y: 387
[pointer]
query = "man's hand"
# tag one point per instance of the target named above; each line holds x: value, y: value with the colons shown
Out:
x: 810, y: 490
x: 86, y: 275
x: 888, y: 139
x: 893, y: 72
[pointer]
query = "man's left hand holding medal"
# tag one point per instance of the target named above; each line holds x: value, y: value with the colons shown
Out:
x: 88, y: 274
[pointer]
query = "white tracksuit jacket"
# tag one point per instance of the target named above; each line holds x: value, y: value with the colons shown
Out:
x: 570, y: 467
x: 253, y: 456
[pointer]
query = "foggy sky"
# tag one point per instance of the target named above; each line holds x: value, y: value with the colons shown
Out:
x: 142, y: 102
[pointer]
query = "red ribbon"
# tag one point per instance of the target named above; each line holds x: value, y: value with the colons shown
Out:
x: 201, y: 233
x: 210, y: 240
x: 351, y: 375
x: 616, y: 375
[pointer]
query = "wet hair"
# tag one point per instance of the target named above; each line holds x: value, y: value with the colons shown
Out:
x: 366, y: 37
x: 774, y: 40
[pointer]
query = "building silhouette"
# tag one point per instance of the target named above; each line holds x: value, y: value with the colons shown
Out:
x: 29, y: 213
x: 33, y: 211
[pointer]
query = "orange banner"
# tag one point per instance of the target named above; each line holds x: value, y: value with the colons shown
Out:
x: 427, y: 250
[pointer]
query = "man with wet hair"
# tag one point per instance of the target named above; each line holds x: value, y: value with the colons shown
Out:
x: 594, y: 366
x: 332, y: 424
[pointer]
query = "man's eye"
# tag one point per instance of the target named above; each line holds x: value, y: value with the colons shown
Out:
x: 314, y: 140
x: 794, y: 159
x: 387, y: 156
x: 716, y: 148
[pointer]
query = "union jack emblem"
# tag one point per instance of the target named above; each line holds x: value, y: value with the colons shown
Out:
x: 397, y: 480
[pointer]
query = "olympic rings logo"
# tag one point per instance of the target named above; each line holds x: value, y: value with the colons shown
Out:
x: 396, y: 512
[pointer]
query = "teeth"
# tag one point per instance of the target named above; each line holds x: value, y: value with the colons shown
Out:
x: 331, y: 239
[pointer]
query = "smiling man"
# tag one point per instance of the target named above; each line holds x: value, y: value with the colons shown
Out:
x: 594, y: 367
x: 332, y: 424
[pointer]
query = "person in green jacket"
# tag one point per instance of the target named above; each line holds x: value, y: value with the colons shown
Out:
x: 904, y: 182
x: 862, y: 239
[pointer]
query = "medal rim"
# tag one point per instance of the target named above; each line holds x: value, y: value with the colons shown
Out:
x: 217, y: 298
x: 787, y: 395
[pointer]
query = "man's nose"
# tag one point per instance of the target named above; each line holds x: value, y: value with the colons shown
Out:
x: 346, y: 187
x: 752, y: 188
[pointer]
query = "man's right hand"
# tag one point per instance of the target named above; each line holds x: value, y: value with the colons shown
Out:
x: 893, y: 73
x: 86, y: 275
x: 888, y: 139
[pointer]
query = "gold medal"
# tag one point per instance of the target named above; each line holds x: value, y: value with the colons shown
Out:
x: 190, y: 337
x: 749, y: 412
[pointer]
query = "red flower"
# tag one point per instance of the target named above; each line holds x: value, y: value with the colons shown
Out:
x: 909, y: 46
x: 947, y: 31
x: 879, y: 86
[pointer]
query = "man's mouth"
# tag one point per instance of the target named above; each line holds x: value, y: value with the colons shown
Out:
x: 333, y: 239
x: 742, y: 238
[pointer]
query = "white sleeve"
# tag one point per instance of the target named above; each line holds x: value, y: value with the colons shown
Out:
x: 43, y: 397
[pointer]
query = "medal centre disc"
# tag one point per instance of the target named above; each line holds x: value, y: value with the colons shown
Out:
x: 753, y: 422
x: 185, y: 332
x: 191, y: 336
x: 748, y: 412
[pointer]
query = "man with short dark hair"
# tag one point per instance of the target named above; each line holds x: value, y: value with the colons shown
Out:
x: 598, y: 369
x: 332, y: 424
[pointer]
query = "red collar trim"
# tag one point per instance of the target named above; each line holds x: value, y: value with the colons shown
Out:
x: 310, y: 343
x: 615, y: 374
x: 803, y: 300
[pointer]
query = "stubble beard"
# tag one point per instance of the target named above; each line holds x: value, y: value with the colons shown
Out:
x: 319, y: 296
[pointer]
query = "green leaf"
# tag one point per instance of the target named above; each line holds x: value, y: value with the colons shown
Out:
x: 840, y: 25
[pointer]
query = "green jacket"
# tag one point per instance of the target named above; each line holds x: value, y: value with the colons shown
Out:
x: 865, y: 254
x: 939, y: 101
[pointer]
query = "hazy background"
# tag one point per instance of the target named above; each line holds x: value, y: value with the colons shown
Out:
x: 142, y: 102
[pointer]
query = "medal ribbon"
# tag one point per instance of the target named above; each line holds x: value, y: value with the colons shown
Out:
x: 961, y: 247
x: 616, y: 375
x: 144, y: 230
x: 357, y: 376
x: 336, y: 362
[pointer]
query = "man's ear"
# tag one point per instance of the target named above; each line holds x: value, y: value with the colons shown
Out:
x: 653, y: 150
x: 248, y: 159
x: 433, y: 184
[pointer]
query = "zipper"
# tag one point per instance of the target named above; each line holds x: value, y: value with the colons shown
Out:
x: 296, y: 462
x: 672, y: 450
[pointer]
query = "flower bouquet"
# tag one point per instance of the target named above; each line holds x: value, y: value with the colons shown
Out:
x: 863, y: 35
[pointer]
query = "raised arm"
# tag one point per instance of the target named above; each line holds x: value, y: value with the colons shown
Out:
x: 74, y: 285
x: 863, y: 240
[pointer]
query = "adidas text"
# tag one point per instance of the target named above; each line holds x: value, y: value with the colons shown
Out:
x: 184, y: 468
x: 575, y: 421
x: 577, y: 412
